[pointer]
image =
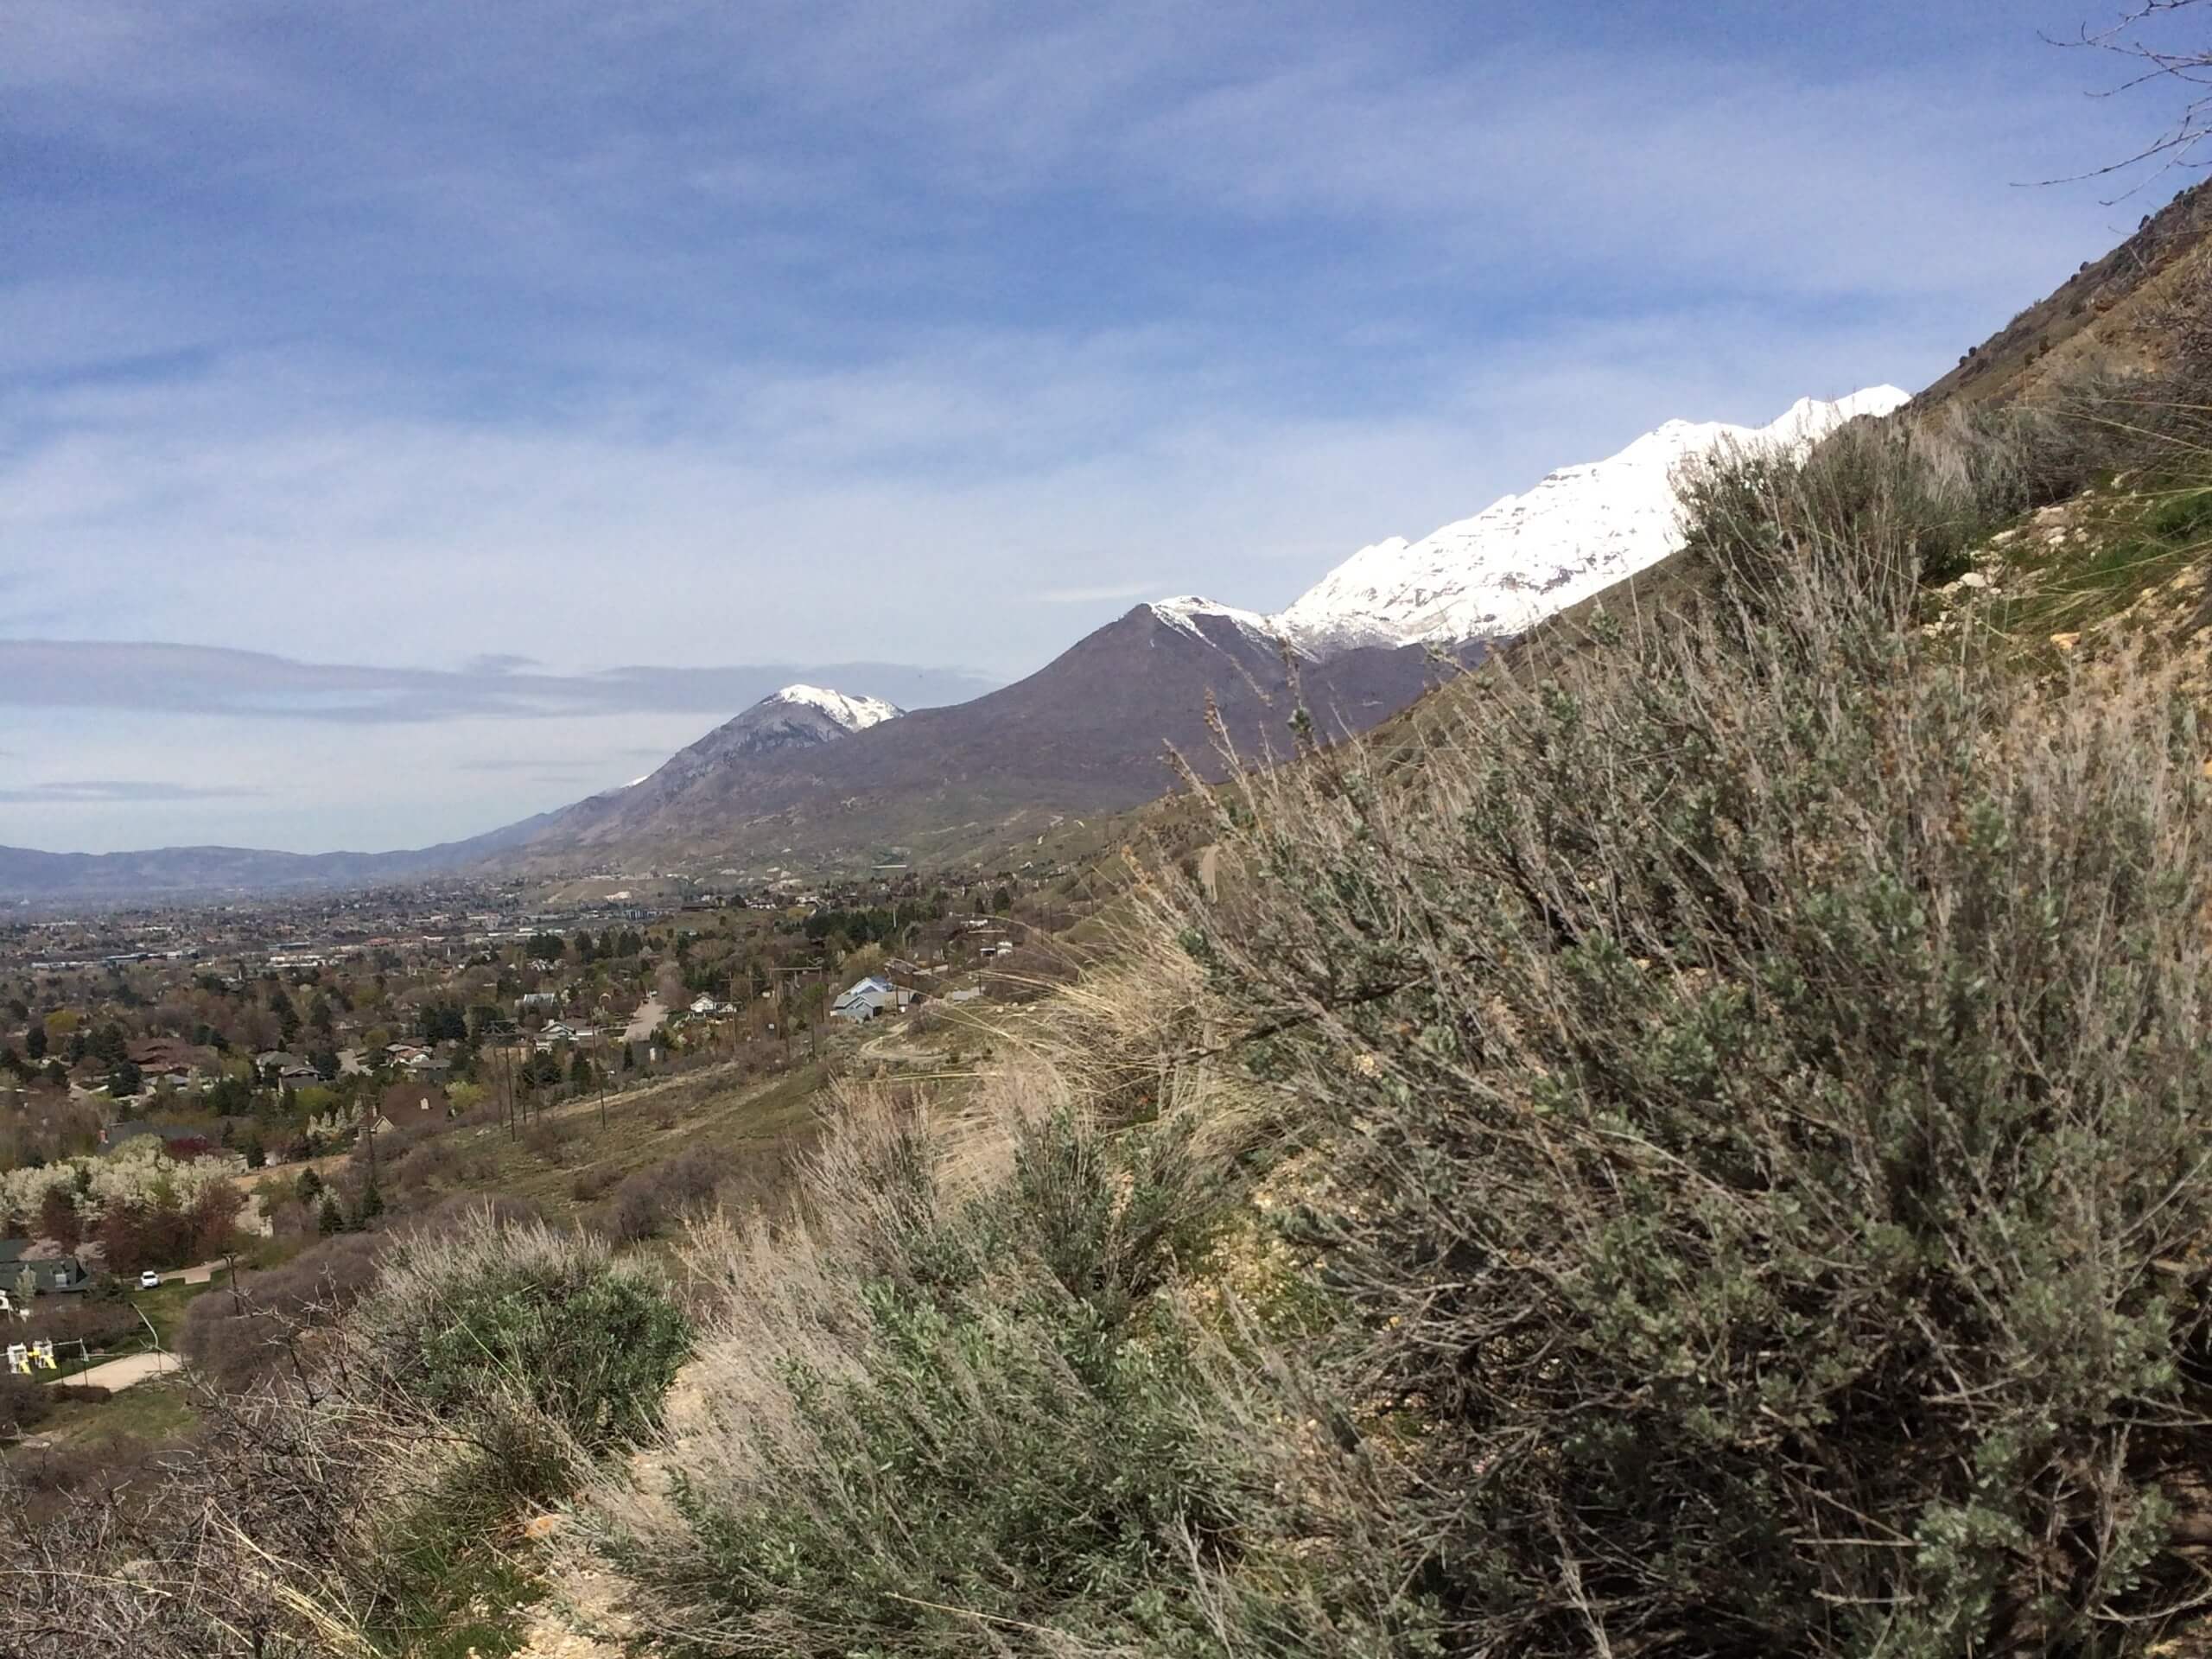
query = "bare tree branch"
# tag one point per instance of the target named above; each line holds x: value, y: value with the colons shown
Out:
x: 2155, y: 59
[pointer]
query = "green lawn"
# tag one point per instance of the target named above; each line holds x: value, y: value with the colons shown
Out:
x: 164, y: 1308
x: 152, y: 1412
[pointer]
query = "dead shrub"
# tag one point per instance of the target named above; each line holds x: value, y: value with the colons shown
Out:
x: 660, y: 1198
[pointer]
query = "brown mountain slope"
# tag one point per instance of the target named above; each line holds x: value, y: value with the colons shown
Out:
x: 2115, y: 315
x: 1090, y: 732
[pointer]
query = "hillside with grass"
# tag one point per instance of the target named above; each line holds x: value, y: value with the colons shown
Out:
x: 1691, y: 1142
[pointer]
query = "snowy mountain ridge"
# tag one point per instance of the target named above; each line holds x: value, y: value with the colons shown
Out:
x: 1527, y: 556
x: 1183, y: 613
x: 854, y: 713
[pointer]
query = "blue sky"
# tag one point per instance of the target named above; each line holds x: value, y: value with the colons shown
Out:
x: 485, y: 351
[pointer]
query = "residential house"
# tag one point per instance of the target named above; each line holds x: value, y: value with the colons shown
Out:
x: 288, y: 1068
x: 169, y: 1057
x: 866, y: 998
x: 25, y: 1275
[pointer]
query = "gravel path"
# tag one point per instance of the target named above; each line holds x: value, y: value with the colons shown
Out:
x: 646, y: 1022
x: 131, y: 1368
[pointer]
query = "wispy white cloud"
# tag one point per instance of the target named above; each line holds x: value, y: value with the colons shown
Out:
x: 117, y: 790
x: 1101, y: 593
x: 175, y: 679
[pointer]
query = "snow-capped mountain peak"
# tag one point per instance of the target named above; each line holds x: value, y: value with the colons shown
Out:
x: 854, y: 713
x: 1526, y: 557
x: 1186, y: 612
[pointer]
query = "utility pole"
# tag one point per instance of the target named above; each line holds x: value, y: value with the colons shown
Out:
x: 506, y: 1077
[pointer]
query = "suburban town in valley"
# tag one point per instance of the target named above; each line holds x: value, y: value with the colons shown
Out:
x: 229, y: 1085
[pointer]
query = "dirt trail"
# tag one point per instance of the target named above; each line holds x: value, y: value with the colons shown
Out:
x: 646, y: 1022
x: 131, y: 1368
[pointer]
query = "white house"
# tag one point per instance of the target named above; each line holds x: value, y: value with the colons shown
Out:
x: 869, y: 997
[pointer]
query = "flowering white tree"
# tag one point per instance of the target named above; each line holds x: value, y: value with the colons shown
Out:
x: 140, y: 1171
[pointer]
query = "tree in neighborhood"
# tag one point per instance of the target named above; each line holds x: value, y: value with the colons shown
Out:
x: 58, y: 1218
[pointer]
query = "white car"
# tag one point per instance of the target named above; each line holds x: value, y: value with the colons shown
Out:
x: 150, y: 1279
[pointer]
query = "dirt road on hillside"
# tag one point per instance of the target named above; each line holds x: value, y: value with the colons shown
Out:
x: 131, y: 1368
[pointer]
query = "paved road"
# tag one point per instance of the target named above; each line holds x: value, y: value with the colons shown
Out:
x: 131, y: 1368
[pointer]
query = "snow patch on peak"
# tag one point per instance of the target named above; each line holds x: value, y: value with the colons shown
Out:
x: 1526, y: 557
x: 1184, y: 613
x: 854, y: 713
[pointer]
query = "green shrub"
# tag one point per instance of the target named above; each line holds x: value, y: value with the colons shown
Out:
x: 1765, y: 1095
x: 25, y: 1403
x: 497, y: 1314
x: 1886, y: 504
x: 963, y: 1414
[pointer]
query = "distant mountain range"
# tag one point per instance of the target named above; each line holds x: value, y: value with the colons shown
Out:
x: 1088, y: 732
x: 823, y: 774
